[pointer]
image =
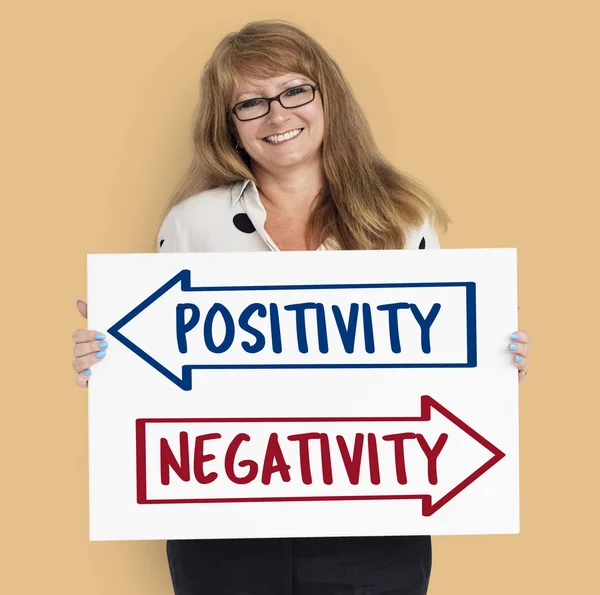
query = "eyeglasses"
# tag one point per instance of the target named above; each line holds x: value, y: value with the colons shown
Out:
x: 261, y: 106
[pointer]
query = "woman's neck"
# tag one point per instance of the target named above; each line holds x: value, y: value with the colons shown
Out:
x: 289, y: 192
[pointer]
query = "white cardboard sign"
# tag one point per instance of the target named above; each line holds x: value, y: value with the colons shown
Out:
x: 303, y: 394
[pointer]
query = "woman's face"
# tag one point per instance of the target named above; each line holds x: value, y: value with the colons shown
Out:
x: 300, y: 149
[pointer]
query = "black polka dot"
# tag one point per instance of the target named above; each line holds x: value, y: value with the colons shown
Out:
x: 422, y: 244
x: 243, y: 223
x: 161, y: 243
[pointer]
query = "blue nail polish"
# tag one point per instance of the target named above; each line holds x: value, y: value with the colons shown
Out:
x: 99, y: 336
x: 87, y: 372
x: 514, y: 336
x: 103, y: 344
x: 518, y: 359
x: 513, y: 347
x: 100, y: 354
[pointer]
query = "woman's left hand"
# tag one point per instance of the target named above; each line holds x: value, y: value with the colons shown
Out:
x: 519, y: 347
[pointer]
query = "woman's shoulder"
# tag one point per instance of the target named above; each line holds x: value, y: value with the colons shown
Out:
x: 214, y: 200
x: 423, y: 237
x: 420, y: 237
x: 194, y: 218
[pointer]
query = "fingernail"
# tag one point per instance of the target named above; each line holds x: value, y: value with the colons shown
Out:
x: 514, y: 336
x: 103, y: 344
x: 513, y: 347
x: 99, y: 336
x: 518, y: 359
x: 87, y: 372
x: 100, y: 354
x: 78, y: 301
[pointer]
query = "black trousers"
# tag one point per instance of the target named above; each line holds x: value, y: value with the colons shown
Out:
x: 301, y: 566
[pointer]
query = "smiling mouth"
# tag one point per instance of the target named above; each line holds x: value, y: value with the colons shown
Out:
x: 284, y: 141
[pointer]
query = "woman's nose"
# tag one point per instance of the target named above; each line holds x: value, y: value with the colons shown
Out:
x: 277, y: 112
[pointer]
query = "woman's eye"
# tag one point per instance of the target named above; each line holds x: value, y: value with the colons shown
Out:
x: 250, y: 103
x: 296, y: 91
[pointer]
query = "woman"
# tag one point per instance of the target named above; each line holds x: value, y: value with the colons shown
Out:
x: 284, y: 160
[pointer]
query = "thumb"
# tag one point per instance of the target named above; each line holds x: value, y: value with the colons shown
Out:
x: 82, y: 307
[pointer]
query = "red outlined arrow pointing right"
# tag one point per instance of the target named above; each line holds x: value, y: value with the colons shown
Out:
x: 151, y: 491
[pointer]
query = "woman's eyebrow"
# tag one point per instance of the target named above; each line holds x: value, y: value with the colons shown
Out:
x: 258, y: 92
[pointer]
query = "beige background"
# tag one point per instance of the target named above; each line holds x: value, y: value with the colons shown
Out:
x: 494, y: 106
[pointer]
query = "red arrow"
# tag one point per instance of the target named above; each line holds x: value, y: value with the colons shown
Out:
x: 428, y: 506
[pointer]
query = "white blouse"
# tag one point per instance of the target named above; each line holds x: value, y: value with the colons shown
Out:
x: 231, y: 218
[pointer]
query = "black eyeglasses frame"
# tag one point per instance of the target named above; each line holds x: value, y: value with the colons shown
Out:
x: 232, y: 110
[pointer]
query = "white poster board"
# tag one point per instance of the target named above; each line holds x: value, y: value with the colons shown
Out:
x: 278, y: 394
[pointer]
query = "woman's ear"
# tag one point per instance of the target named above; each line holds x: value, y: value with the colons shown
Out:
x: 233, y: 130
x: 233, y: 133
x: 235, y: 139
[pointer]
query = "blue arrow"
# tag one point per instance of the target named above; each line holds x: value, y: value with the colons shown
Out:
x: 184, y: 278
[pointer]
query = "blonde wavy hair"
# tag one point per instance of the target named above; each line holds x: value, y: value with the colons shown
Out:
x: 365, y: 202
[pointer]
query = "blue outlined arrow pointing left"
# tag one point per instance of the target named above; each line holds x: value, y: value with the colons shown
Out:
x: 183, y: 380
x: 464, y: 354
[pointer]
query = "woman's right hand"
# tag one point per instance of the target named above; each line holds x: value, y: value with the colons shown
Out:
x: 89, y: 349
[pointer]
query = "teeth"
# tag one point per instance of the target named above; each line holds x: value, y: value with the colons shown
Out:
x: 281, y: 137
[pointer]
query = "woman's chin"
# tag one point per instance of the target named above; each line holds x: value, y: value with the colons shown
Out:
x: 282, y: 160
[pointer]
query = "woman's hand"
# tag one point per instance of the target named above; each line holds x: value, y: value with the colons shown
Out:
x: 519, y: 347
x: 89, y: 349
